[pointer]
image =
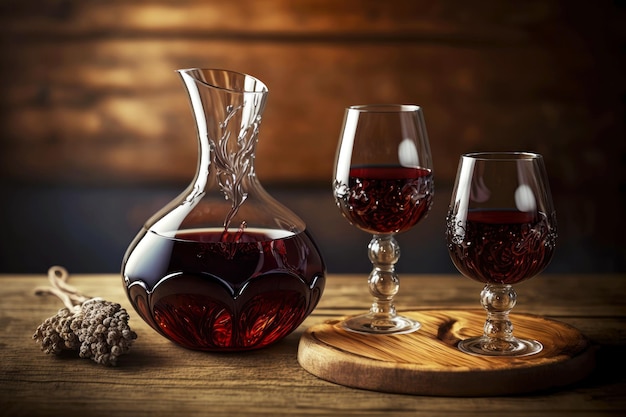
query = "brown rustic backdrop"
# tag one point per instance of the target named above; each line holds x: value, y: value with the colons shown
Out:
x: 96, y: 131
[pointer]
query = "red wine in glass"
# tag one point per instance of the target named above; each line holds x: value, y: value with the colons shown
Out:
x: 387, y: 199
x: 502, y: 246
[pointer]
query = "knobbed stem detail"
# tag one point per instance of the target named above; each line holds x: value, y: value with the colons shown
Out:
x: 498, y: 300
x: 497, y: 338
x: 384, y: 253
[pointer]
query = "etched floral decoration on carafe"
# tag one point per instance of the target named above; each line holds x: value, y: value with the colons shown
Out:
x: 224, y: 266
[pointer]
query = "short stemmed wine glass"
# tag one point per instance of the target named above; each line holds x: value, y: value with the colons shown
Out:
x: 383, y: 184
x: 501, y: 230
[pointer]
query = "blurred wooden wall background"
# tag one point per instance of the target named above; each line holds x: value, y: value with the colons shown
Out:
x: 89, y: 94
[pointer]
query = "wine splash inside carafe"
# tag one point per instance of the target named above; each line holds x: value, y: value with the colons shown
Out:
x: 224, y: 266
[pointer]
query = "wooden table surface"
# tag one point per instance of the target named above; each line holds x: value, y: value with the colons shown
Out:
x: 158, y: 378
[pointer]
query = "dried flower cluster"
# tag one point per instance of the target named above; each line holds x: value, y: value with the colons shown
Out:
x: 96, y: 328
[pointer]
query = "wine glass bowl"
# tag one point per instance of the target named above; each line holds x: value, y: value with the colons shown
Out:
x: 383, y: 185
x: 500, y: 230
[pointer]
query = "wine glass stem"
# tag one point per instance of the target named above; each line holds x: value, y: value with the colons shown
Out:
x: 383, y: 252
x: 498, y: 300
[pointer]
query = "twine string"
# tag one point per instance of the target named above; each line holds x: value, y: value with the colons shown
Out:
x: 71, y: 297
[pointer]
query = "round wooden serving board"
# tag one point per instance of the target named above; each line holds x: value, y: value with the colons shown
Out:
x: 427, y: 362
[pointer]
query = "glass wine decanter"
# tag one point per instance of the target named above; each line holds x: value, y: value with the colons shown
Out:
x: 383, y: 184
x: 224, y: 266
x: 501, y: 230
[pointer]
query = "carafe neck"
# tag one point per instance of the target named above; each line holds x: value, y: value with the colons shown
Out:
x: 227, y: 108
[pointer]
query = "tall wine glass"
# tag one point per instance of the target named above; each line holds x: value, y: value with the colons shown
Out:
x: 501, y: 230
x: 383, y: 184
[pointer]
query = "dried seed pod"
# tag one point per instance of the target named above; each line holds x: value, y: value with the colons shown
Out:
x: 96, y: 328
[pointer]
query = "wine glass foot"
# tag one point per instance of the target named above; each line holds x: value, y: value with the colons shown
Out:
x: 482, y: 346
x: 374, y: 324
